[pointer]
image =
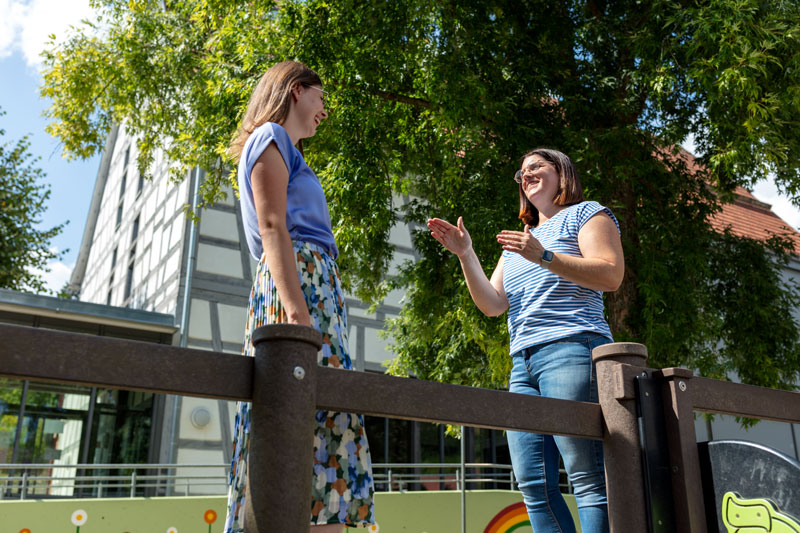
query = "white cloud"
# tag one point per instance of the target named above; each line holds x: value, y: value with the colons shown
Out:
x: 688, y: 144
x: 767, y: 192
x: 56, y: 275
x: 25, y: 25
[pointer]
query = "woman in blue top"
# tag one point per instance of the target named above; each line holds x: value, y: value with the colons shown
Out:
x: 550, y: 278
x: 288, y: 231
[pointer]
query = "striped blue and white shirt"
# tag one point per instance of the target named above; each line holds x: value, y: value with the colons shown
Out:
x: 545, y: 307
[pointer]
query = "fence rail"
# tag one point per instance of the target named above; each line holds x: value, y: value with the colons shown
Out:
x: 24, y: 481
x: 286, y: 387
x: 737, y: 399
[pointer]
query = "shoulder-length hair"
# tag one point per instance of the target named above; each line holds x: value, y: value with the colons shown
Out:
x: 569, y: 190
x: 271, y: 99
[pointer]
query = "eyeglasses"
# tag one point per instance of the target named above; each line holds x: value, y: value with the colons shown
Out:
x: 323, y: 91
x: 524, y: 173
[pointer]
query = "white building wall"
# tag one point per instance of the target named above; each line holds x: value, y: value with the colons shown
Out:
x: 152, y: 256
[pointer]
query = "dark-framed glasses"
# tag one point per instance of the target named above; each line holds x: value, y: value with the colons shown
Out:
x: 525, y: 172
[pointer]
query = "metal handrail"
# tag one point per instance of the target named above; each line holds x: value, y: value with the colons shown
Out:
x: 21, y: 480
x: 23, y: 484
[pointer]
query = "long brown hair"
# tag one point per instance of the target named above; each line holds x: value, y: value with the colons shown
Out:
x: 570, y: 190
x: 271, y: 99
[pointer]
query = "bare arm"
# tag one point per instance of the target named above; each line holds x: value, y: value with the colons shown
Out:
x: 488, y: 295
x: 269, y: 180
x: 602, y: 265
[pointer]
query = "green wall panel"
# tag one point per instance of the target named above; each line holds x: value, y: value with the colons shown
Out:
x: 407, y: 512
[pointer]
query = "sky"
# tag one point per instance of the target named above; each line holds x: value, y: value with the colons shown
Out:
x: 24, y: 29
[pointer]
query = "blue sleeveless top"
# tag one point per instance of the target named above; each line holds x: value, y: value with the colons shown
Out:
x: 307, y: 215
x: 542, y: 306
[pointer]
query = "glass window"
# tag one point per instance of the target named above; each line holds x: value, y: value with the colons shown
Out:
x: 432, y: 451
x: 42, y: 423
x: 129, y: 277
x: 376, y: 434
x: 135, y: 231
x: 122, y: 185
x: 47, y: 424
x: 119, y: 214
x: 120, y: 435
x: 10, y: 394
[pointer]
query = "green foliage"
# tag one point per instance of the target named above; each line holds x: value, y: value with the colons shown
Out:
x: 23, y: 247
x: 67, y: 292
x: 438, y: 100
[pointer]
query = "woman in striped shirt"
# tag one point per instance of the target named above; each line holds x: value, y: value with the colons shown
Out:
x: 550, y: 278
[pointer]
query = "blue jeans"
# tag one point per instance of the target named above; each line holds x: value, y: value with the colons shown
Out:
x: 559, y: 369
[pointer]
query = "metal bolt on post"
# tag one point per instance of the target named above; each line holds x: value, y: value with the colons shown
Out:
x: 278, y: 496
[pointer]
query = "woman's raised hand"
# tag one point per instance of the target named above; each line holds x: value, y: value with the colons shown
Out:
x: 523, y: 243
x: 455, y: 239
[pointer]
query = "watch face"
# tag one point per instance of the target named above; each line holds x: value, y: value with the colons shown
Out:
x: 547, y: 256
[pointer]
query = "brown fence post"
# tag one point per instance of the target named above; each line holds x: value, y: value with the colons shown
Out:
x: 617, y: 364
x: 687, y: 489
x: 278, y: 496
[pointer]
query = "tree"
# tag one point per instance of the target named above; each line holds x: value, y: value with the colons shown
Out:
x: 24, y: 249
x: 438, y: 100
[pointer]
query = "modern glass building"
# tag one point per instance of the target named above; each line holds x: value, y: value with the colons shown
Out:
x: 50, y: 423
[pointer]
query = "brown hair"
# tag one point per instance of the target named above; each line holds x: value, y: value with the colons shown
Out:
x: 569, y: 190
x: 271, y: 99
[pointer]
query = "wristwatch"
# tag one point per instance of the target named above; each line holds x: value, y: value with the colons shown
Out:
x: 547, y: 258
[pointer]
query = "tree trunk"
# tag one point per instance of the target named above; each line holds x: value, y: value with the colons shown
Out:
x: 620, y: 304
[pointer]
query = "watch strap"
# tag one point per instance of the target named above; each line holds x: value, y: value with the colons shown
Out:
x: 547, y: 258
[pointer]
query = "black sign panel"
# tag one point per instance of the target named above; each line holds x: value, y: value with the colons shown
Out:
x: 749, y: 487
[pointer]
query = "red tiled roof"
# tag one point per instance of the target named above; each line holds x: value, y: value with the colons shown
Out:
x: 748, y: 217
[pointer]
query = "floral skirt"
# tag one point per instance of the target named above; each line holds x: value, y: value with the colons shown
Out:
x: 342, y: 486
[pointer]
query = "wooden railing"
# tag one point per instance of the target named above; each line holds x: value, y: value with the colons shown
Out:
x: 286, y: 387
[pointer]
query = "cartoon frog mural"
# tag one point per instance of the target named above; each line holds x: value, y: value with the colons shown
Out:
x: 757, y: 515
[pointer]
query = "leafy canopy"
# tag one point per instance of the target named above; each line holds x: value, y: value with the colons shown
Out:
x: 24, y: 249
x: 438, y: 100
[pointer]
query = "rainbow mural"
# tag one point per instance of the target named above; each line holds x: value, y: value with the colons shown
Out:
x: 509, y: 519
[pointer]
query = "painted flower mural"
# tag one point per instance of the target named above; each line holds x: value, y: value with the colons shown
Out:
x: 210, y: 516
x: 79, y: 518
